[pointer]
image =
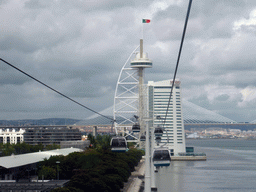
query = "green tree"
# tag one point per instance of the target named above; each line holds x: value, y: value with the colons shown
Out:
x: 114, y: 182
x: 90, y: 160
x: 47, y: 172
x: 91, y: 182
x: 39, y: 147
x: 103, y: 142
x: 92, y: 140
x: 69, y: 163
x: 8, y: 149
x: 53, y: 146
x: 21, y: 148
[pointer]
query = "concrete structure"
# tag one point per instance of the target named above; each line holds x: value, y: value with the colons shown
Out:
x: 12, y: 136
x: 48, y: 135
x: 159, y: 93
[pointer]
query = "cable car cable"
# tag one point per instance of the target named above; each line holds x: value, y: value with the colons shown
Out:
x: 55, y: 90
x: 181, y: 45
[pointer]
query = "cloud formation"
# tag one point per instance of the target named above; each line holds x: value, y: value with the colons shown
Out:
x: 79, y: 48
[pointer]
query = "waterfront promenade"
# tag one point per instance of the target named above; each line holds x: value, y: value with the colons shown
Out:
x: 136, y: 180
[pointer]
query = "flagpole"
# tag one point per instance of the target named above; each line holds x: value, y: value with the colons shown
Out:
x: 142, y: 31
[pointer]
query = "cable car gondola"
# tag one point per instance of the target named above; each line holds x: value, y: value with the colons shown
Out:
x: 161, y: 157
x: 158, y: 139
x: 118, y: 144
x: 142, y: 138
x: 158, y: 131
x: 136, y: 127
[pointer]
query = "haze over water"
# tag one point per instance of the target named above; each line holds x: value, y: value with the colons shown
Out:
x: 230, y: 166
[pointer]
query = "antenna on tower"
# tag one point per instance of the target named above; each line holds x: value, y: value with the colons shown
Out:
x: 141, y: 48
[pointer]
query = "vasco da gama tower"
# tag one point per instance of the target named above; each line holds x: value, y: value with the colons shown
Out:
x: 158, y: 98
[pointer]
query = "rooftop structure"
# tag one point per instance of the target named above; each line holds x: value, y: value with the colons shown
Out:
x: 11, y: 166
x: 30, y: 158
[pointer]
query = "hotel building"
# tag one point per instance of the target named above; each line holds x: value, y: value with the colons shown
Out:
x: 158, y: 93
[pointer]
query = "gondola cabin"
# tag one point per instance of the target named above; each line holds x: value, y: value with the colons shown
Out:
x: 158, y: 131
x: 158, y: 139
x: 118, y: 144
x: 136, y: 128
x: 161, y: 157
x: 142, y: 138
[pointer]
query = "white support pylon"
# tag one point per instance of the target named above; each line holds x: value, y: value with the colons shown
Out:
x: 147, y: 162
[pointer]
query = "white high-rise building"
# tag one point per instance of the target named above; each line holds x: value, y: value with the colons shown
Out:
x: 11, y: 136
x: 158, y: 95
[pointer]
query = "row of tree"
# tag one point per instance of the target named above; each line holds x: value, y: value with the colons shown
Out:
x: 96, y: 169
x: 22, y: 148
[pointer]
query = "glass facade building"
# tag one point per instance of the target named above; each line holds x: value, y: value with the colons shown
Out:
x: 158, y: 97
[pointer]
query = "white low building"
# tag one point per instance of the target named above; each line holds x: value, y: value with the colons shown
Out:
x: 11, y: 136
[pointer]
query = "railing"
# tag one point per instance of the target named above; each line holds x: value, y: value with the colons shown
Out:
x: 191, y: 154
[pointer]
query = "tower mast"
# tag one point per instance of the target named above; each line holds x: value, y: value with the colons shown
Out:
x: 140, y: 62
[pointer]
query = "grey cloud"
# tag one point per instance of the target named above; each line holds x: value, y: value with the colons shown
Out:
x: 208, y: 19
x: 12, y: 78
x: 37, y: 4
x: 14, y: 42
x: 79, y: 48
x: 223, y: 97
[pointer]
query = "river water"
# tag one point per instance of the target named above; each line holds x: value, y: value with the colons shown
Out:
x: 230, y: 166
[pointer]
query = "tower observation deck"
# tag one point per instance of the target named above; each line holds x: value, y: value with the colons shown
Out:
x: 140, y: 62
x: 131, y: 94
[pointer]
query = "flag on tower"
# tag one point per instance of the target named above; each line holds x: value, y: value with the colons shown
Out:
x: 145, y: 21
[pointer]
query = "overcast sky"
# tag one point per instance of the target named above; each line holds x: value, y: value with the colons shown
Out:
x: 79, y: 48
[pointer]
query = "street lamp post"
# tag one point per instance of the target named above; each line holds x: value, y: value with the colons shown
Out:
x: 58, y: 176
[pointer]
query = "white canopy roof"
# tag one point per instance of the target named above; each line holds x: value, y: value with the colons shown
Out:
x: 30, y: 158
